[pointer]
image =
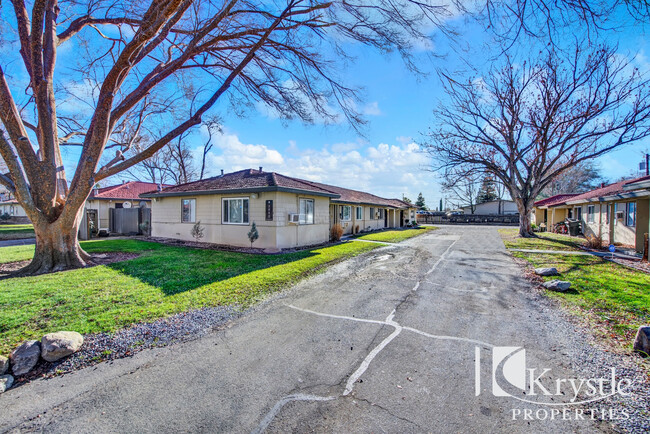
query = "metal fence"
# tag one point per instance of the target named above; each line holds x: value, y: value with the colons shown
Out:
x: 471, y: 219
x: 128, y: 221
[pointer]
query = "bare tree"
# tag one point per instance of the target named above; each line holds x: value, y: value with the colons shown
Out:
x: 213, y: 126
x: 463, y: 189
x: 528, y: 122
x: 580, y: 178
x: 132, y: 56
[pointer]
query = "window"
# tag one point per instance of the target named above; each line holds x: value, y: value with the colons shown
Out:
x: 631, y: 214
x: 188, y: 210
x: 381, y: 213
x: 606, y: 210
x: 235, y: 211
x: 570, y: 215
x: 119, y: 205
x: 346, y: 212
x: 579, y: 213
x: 359, y: 213
x: 372, y: 213
x: 590, y: 213
x: 306, y: 211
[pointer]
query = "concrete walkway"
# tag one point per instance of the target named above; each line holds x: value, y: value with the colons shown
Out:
x: 578, y: 252
x: 21, y: 242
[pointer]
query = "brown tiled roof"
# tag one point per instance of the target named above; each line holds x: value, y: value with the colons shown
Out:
x: 127, y: 190
x: 607, y: 190
x: 558, y: 199
x: 249, y: 179
x: 357, y: 197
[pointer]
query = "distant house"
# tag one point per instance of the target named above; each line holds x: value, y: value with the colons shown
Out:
x: 125, y: 195
x: 618, y: 212
x: 288, y: 212
x: 12, y: 208
x: 499, y: 207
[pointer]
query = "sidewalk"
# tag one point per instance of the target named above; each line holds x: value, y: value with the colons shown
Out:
x: 21, y: 242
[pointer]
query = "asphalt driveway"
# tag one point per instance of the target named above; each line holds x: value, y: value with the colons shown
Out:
x: 386, y: 342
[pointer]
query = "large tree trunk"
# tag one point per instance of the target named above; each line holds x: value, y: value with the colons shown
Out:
x: 57, y: 247
x: 525, y: 229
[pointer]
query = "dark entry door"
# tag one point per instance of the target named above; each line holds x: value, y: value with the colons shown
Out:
x: 385, y: 218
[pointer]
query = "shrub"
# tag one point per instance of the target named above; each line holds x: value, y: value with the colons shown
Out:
x: 5, y: 216
x: 198, y: 231
x: 336, y: 232
x: 594, y: 242
x: 356, y: 229
x: 144, y: 227
x: 253, y: 234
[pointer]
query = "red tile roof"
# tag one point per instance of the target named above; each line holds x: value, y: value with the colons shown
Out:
x: 607, y: 190
x: 558, y: 199
x: 251, y: 179
x: 128, y: 190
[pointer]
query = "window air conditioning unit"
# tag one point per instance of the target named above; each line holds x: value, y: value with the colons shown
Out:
x: 294, y: 218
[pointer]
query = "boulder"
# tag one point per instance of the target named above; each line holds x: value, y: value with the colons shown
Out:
x: 557, y: 285
x: 24, y: 358
x: 6, y: 381
x: 552, y: 271
x: 642, y: 341
x: 55, y: 346
x: 4, y: 365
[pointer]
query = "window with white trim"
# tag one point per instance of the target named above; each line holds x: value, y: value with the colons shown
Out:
x: 235, y: 211
x: 359, y: 213
x: 372, y: 213
x: 381, y: 213
x: 346, y: 213
x: 630, y: 208
x: 591, y: 211
x: 306, y: 211
x: 188, y: 210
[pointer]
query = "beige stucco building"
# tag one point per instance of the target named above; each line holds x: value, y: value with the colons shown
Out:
x: 619, y: 212
x: 288, y: 212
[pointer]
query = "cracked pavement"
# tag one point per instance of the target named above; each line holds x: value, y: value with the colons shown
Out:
x: 384, y: 342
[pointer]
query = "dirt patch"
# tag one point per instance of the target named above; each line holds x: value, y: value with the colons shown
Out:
x: 98, y: 259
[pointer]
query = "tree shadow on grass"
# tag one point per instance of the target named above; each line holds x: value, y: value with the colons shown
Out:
x: 178, y: 270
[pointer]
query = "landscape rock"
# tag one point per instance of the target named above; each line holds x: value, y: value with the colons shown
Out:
x: 6, y: 381
x: 552, y: 271
x: 24, y: 358
x: 642, y: 341
x: 55, y: 346
x: 557, y: 285
x: 4, y: 365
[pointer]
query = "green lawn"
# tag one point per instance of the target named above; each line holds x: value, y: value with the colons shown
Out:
x: 614, y: 297
x: 162, y: 281
x: 15, y: 232
x: 395, y: 236
x: 543, y: 241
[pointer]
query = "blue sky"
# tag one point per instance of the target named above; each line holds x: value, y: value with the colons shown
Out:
x: 384, y: 160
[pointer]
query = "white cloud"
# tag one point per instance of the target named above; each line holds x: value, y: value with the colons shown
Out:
x: 372, y: 109
x: 385, y: 170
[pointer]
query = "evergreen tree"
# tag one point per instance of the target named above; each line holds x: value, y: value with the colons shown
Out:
x: 406, y: 199
x: 420, y: 202
x: 253, y: 234
x: 488, y: 191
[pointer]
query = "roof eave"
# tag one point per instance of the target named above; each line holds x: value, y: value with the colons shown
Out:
x: 238, y: 191
x: 637, y: 185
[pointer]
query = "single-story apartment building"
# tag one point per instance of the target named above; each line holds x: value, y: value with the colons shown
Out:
x: 12, y: 208
x: 288, y: 212
x: 618, y: 212
x: 493, y: 207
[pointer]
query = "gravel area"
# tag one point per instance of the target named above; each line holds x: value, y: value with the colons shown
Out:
x: 101, y: 347
x: 592, y: 358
